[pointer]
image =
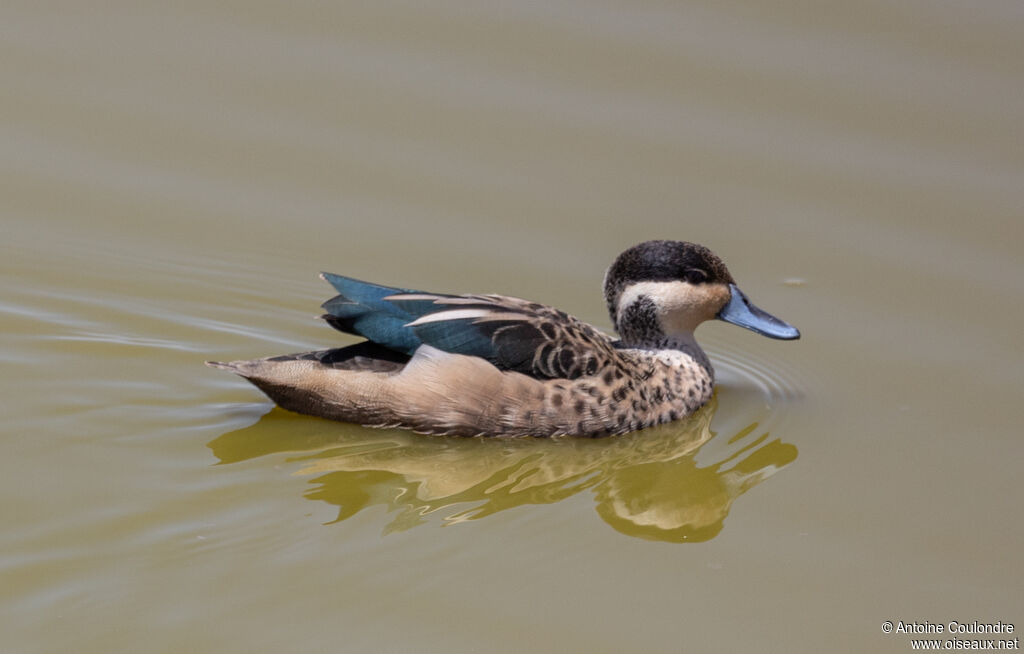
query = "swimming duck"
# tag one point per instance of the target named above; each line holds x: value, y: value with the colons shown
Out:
x: 500, y: 366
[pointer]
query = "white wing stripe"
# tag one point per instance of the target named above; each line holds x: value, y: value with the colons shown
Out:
x: 412, y: 296
x: 455, y: 314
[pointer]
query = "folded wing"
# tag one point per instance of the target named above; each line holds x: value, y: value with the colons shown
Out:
x: 512, y: 334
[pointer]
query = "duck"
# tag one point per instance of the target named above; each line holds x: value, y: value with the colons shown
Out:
x: 492, y: 365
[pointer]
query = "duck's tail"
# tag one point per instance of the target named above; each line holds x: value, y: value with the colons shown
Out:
x: 230, y: 366
x: 303, y: 383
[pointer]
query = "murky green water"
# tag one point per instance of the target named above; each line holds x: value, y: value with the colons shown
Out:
x: 173, y: 179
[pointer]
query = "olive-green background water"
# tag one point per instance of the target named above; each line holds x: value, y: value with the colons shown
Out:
x: 172, y: 179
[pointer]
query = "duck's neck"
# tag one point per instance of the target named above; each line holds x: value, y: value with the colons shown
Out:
x: 641, y: 325
x: 683, y: 342
x: 688, y: 344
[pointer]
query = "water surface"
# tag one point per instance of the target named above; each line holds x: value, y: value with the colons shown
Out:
x: 172, y: 179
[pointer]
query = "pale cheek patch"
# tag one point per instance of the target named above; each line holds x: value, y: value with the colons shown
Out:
x: 682, y: 305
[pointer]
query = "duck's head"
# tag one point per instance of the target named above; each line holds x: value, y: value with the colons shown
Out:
x: 659, y: 291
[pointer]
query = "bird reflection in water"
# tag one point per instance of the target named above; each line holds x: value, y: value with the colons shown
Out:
x: 654, y: 484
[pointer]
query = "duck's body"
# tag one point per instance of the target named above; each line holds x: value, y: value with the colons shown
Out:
x: 501, y: 366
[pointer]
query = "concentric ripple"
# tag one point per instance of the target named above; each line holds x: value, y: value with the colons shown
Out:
x: 754, y: 381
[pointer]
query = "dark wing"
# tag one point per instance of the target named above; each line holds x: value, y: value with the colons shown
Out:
x: 510, y: 333
x: 361, y: 310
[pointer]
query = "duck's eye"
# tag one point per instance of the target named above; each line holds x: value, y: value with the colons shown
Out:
x: 695, y: 275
